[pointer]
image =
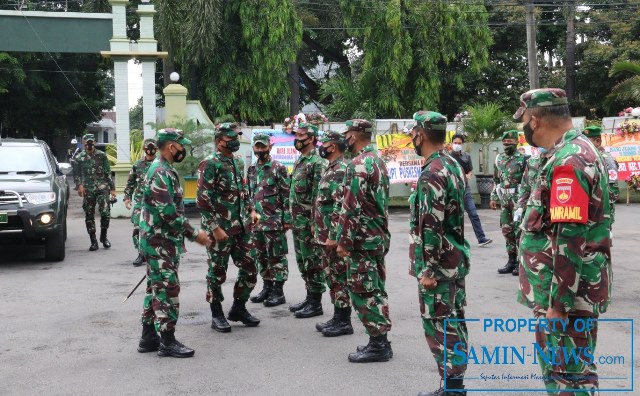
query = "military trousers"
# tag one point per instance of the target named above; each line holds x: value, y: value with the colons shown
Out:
x: 161, y: 304
x: 335, y: 268
x: 366, y: 281
x: 91, y: 198
x: 271, y: 252
x: 309, y: 259
x: 508, y: 226
x: 578, y: 372
x: 445, y: 301
x: 240, y: 248
x: 135, y: 219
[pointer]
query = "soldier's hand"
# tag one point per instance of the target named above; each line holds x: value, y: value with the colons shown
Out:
x: 555, y: 315
x: 220, y: 235
x: 342, y: 252
x: 493, y: 205
x: 331, y: 244
x: 81, y: 191
x: 255, y: 217
x: 127, y: 203
x: 113, y: 194
x: 428, y: 283
x: 203, y: 238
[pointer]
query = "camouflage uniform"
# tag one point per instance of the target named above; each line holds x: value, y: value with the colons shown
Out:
x: 163, y: 227
x: 363, y: 231
x: 93, y: 172
x: 439, y: 250
x: 307, y: 171
x: 612, y: 168
x: 269, y: 191
x: 529, y: 177
x: 133, y: 192
x: 566, y: 239
x: 507, y: 176
x: 327, y: 207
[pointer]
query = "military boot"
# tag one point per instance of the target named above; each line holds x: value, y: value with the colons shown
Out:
x: 342, y: 326
x: 300, y: 305
x: 103, y: 238
x: 150, y: 341
x: 218, y: 321
x: 452, y: 383
x: 139, y: 260
x: 277, y: 295
x: 510, y: 266
x: 323, y: 325
x: 516, y: 271
x: 313, y: 308
x: 239, y: 313
x: 264, y: 293
x: 94, y: 242
x: 169, y: 346
x: 378, y: 350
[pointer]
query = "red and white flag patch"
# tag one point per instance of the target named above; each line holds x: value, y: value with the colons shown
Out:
x: 569, y: 201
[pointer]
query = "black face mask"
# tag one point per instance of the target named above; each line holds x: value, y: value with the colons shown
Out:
x: 233, y: 145
x: 510, y: 149
x: 350, y: 145
x: 528, y: 134
x: 416, y: 147
x: 89, y: 146
x: 300, y: 144
x: 180, y: 155
x: 261, y: 155
x: 324, y: 152
x: 150, y: 153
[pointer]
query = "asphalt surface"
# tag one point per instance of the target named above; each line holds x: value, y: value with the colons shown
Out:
x: 65, y: 330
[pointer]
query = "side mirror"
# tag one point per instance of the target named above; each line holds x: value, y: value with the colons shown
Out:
x: 65, y: 168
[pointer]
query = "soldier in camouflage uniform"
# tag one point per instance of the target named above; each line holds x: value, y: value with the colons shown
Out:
x: 524, y: 191
x: 133, y: 190
x: 363, y: 236
x: 305, y: 179
x: 227, y: 214
x: 269, y: 190
x: 326, y: 210
x: 567, y: 266
x: 439, y: 253
x: 507, y: 176
x: 163, y: 227
x: 92, y: 174
x: 594, y: 134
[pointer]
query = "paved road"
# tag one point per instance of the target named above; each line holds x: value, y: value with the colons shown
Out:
x: 66, y: 332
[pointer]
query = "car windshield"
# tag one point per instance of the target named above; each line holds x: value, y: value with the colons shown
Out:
x: 23, y: 160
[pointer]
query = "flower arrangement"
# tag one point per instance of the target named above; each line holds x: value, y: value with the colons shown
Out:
x: 633, y: 181
x: 629, y: 126
x: 316, y: 118
x: 626, y: 112
x: 459, y: 116
x: 290, y: 123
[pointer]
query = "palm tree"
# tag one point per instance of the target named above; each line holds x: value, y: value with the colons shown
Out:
x: 628, y: 89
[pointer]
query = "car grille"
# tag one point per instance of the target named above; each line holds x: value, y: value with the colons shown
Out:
x: 11, y: 199
x: 14, y: 223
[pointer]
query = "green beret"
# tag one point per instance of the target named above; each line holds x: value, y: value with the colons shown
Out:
x: 172, y: 135
x: 262, y: 138
x: 311, y: 129
x: 592, y: 131
x: 511, y: 134
x: 89, y: 137
x: 229, y: 129
x: 332, y: 136
x: 359, y: 125
x: 430, y: 120
x: 149, y: 143
x: 540, y: 98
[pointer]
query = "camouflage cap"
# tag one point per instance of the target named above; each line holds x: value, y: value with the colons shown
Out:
x: 310, y: 128
x: 229, y: 129
x: 540, y: 98
x: 262, y: 138
x: 89, y: 137
x: 172, y: 135
x: 332, y: 136
x: 359, y: 125
x: 592, y: 131
x: 511, y: 134
x: 149, y: 143
x: 430, y: 120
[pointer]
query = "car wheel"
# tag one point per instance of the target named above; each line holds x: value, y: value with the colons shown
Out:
x: 65, y: 226
x: 54, y: 249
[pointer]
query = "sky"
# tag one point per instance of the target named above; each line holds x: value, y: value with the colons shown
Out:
x: 135, y: 83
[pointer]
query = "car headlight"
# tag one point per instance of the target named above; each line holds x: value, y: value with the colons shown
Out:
x: 40, y: 198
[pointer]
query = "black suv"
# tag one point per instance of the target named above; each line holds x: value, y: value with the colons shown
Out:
x: 34, y: 195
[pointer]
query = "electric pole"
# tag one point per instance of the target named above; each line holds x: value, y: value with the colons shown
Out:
x: 532, y: 50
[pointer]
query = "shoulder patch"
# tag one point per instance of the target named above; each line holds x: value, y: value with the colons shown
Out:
x: 569, y: 201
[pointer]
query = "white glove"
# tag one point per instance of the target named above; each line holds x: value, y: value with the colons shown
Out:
x: 517, y: 215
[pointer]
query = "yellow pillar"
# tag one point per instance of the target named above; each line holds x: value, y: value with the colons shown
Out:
x: 175, y: 103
